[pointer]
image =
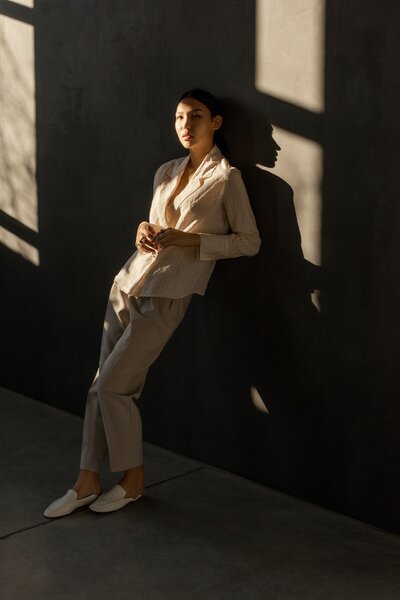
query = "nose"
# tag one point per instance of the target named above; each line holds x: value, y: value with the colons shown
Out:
x: 276, y: 146
x: 185, y: 123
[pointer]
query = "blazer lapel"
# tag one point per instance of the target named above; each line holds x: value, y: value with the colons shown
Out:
x: 175, y: 171
x: 168, y: 185
x: 197, y: 182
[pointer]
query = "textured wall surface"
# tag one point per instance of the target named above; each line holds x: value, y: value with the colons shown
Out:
x: 106, y: 78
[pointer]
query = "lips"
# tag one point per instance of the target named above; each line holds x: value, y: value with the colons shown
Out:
x: 187, y: 137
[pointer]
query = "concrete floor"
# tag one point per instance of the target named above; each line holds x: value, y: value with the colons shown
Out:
x: 198, y: 533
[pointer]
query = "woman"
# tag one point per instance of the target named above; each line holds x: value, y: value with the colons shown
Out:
x: 197, y: 200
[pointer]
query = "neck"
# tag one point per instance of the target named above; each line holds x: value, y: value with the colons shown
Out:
x: 197, y: 154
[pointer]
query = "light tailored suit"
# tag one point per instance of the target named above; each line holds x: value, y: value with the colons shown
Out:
x: 151, y: 293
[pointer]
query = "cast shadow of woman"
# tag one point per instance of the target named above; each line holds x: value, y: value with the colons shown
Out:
x: 277, y: 342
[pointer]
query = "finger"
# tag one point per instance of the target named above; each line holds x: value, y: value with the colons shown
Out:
x: 152, y: 229
x: 166, y: 230
x: 149, y: 247
x: 143, y: 230
x: 163, y: 235
x: 145, y: 240
x: 140, y: 245
x: 144, y: 249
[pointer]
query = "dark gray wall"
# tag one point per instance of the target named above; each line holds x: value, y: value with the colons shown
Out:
x: 107, y: 75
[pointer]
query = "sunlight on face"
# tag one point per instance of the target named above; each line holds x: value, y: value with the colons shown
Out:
x: 193, y: 123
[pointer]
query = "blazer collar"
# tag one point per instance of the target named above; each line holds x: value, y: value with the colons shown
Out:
x: 205, y: 167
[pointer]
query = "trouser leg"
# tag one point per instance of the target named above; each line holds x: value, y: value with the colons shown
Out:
x: 113, y: 420
x: 94, y: 441
x: 121, y: 381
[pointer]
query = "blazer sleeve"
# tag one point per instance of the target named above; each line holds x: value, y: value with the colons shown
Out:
x: 245, y: 238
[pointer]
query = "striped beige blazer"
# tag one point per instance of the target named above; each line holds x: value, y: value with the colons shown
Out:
x: 215, y: 205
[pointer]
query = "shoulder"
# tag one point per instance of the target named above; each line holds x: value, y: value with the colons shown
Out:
x: 226, y: 171
x: 231, y: 174
x: 234, y: 188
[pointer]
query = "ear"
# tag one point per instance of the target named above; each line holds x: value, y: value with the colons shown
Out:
x: 217, y: 122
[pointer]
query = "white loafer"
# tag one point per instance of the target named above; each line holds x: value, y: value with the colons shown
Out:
x: 112, y: 500
x: 67, y: 504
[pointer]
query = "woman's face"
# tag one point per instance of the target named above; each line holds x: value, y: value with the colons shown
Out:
x: 194, y: 124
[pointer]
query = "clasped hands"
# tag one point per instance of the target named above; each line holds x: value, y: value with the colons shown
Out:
x: 153, y: 238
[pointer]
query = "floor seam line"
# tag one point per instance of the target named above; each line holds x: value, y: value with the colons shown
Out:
x: 7, y: 535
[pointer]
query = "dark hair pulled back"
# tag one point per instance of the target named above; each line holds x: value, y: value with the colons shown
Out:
x: 215, y: 108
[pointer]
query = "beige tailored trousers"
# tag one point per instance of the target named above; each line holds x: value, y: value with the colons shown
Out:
x: 135, y: 331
